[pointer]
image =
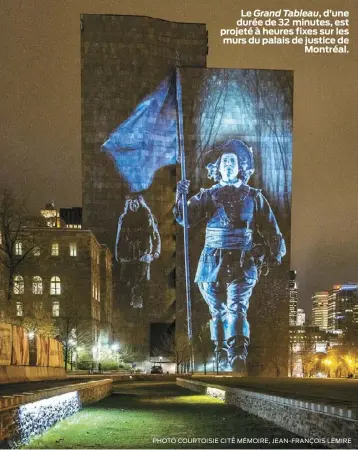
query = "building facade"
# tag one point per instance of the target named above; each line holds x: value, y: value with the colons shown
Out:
x: 343, y: 308
x: 67, y: 281
x: 124, y: 58
x: 293, y: 298
x: 301, y: 317
x: 320, y: 310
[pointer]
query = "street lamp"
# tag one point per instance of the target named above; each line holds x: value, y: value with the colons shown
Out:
x: 160, y: 361
x: 213, y: 364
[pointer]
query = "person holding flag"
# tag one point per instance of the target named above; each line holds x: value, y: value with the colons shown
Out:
x: 240, y: 223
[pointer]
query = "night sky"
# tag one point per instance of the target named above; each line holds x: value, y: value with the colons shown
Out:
x: 41, y: 112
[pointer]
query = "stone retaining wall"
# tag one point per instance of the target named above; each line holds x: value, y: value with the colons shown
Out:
x: 19, y: 374
x: 309, y: 420
x: 31, y: 413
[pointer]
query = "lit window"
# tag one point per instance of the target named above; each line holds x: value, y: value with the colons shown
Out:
x: 19, y: 286
x: 37, y: 285
x: 19, y: 309
x: 73, y: 249
x: 55, y: 286
x: 18, y: 248
x: 56, y: 309
x: 55, y: 251
x: 37, y: 251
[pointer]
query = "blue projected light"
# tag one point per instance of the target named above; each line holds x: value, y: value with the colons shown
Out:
x: 147, y: 140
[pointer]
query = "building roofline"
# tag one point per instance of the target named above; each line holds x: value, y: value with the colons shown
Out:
x: 145, y: 17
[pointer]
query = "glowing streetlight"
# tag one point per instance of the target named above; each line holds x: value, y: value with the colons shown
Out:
x: 31, y: 334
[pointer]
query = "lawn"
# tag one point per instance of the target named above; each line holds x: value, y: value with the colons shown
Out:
x: 332, y: 391
x: 145, y: 414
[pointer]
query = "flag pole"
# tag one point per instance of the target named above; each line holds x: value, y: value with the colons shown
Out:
x: 185, y: 209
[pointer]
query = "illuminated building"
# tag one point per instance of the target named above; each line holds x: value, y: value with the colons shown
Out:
x: 66, y: 281
x: 343, y: 308
x: 124, y: 58
x: 293, y: 298
x: 320, y: 310
x: 51, y: 215
x: 308, y: 338
x: 301, y: 317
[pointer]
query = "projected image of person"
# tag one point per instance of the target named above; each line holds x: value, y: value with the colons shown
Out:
x: 137, y: 245
x: 241, y: 234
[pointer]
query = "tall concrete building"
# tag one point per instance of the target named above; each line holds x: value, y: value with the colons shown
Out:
x: 124, y: 58
x: 320, y: 310
x: 343, y: 308
x: 293, y: 298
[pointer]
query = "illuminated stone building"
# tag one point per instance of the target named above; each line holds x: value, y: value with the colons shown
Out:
x: 320, y: 310
x: 67, y: 280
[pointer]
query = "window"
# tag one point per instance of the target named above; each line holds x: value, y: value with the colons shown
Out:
x: 37, y: 251
x: 55, y: 286
x: 55, y: 309
x: 73, y: 249
x: 37, y: 285
x: 55, y: 251
x: 19, y: 286
x: 19, y: 309
x: 18, y: 248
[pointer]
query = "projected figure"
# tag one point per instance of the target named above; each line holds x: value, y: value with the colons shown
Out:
x: 241, y: 233
x: 137, y: 245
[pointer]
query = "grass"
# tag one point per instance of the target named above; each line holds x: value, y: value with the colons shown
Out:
x: 337, y: 392
x: 139, y: 412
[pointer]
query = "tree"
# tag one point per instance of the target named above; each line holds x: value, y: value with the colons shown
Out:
x: 73, y: 331
x: 18, y: 244
x: 307, y: 353
x: 177, y: 351
x: 204, y: 345
x: 40, y: 321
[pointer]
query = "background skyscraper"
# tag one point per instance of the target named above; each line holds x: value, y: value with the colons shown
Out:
x: 301, y: 317
x: 320, y: 310
x: 293, y: 298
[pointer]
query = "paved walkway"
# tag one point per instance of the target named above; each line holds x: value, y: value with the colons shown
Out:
x: 163, y: 415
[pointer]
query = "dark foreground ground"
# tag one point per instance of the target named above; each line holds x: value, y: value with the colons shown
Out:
x: 331, y: 391
x: 33, y: 386
x: 163, y: 415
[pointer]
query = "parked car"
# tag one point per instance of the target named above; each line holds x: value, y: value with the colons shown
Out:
x: 156, y: 370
